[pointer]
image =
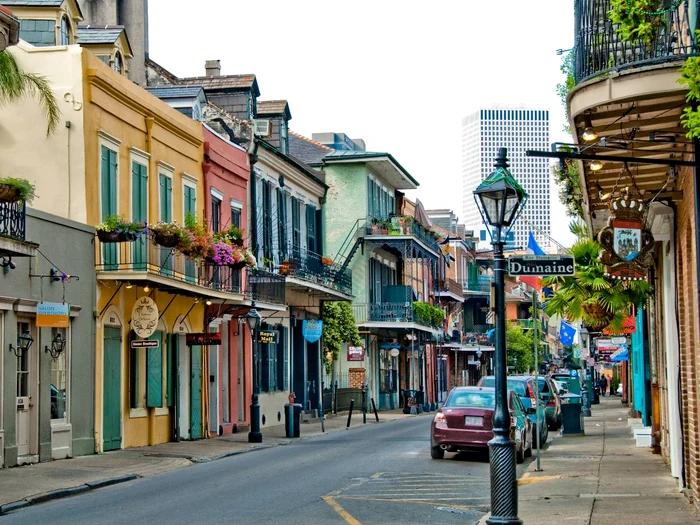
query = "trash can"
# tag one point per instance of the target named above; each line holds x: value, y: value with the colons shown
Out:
x: 292, y: 420
x: 571, y: 418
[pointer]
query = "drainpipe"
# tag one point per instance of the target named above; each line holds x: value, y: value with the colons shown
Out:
x: 149, y: 149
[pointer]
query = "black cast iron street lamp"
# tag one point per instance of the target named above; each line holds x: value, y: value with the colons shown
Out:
x: 500, y: 199
x: 254, y: 436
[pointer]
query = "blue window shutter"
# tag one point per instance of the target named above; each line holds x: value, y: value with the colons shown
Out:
x: 282, y: 360
x: 171, y: 373
x: 154, y: 373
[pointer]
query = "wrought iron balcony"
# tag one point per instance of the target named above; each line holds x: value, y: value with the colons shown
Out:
x: 481, y: 285
x: 265, y: 286
x: 313, y: 268
x: 451, y: 286
x: 400, y: 226
x: 13, y: 220
x: 386, y: 312
x: 141, y: 259
x: 598, y: 49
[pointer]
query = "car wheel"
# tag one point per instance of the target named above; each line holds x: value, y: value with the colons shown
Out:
x: 528, y: 452
x: 520, y: 454
x: 437, y: 453
x: 543, y: 439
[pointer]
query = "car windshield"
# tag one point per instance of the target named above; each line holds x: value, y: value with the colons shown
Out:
x: 471, y: 399
x: 519, y: 387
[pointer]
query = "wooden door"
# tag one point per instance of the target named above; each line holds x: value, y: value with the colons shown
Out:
x: 111, y: 407
x: 196, y: 393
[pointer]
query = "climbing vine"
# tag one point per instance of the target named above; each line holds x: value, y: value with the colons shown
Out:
x: 637, y: 19
x: 690, y: 77
x: 338, y: 327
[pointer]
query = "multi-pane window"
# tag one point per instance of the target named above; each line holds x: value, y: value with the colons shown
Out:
x: 311, y: 229
x: 282, y: 223
x: 296, y: 226
x: 235, y: 217
x: 267, y: 219
x: 65, y: 35
x: 274, y: 361
x: 215, y: 215
x: 380, y: 202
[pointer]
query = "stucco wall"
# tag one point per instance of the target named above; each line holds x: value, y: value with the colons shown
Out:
x: 69, y: 247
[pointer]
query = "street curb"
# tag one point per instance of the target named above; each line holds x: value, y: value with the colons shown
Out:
x: 63, y: 493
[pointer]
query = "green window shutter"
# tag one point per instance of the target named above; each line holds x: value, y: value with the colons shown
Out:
x: 154, y: 373
x: 190, y: 200
x: 311, y: 229
x: 139, y: 192
x: 282, y: 360
x: 166, y: 199
x: 109, y: 182
x: 282, y: 223
x: 171, y: 372
x: 319, y: 231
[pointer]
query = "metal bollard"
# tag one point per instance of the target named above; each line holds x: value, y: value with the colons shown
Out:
x: 352, y: 404
x: 364, y: 403
x: 374, y: 407
x: 335, y: 398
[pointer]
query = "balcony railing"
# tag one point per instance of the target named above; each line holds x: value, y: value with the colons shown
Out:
x: 13, y: 220
x: 482, y: 284
x: 450, y: 285
x: 309, y: 266
x: 386, y: 312
x: 142, y: 256
x: 265, y: 286
x: 599, y: 49
x: 401, y: 226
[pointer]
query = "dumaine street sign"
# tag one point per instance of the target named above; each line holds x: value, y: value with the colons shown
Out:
x: 541, y: 265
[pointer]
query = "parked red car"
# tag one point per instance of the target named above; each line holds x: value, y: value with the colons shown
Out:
x: 465, y: 422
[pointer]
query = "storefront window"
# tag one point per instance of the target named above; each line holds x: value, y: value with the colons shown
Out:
x: 59, y: 378
x: 387, y: 371
x: 138, y: 377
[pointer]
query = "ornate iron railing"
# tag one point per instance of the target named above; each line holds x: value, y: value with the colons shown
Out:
x: 265, y: 286
x: 312, y: 267
x: 482, y: 284
x: 13, y: 220
x: 142, y: 256
x: 598, y: 49
x: 387, y: 312
x: 450, y: 285
x: 400, y: 225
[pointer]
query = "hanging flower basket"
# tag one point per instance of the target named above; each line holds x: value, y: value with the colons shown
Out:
x: 166, y: 239
x: 237, y: 265
x: 111, y: 237
x: 8, y: 193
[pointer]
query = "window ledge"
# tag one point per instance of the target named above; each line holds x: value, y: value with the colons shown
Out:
x: 135, y: 413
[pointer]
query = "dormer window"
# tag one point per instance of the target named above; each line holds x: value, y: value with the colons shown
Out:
x: 117, y: 63
x: 65, y: 33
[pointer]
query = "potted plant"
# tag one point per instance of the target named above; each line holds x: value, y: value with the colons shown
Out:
x: 327, y: 261
x: 239, y: 260
x: 13, y: 189
x: 384, y: 226
x: 116, y: 228
x: 223, y: 254
x: 250, y: 261
x: 406, y: 222
x: 285, y: 267
x: 196, y: 241
x: 167, y: 234
x: 236, y: 236
x: 375, y: 226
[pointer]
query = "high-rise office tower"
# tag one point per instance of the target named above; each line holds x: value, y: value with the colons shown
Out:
x: 518, y: 129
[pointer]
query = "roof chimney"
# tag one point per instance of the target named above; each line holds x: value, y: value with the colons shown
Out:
x: 212, y: 68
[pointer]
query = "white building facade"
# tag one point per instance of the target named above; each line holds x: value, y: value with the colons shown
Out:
x: 517, y: 129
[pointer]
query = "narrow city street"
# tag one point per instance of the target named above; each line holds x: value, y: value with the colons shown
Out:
x: 377, y: 474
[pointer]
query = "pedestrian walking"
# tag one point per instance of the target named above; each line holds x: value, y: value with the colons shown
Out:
x: 603, y: 384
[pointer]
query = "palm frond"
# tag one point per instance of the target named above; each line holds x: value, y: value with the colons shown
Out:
x: 15, y: 84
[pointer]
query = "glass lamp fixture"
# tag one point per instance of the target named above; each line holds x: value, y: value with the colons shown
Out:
x: 589, y: 134
x: 596, y: 165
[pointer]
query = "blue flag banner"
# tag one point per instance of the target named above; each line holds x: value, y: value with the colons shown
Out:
x: 566, y: 334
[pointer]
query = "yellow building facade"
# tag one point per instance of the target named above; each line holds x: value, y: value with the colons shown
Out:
x: 119, y: 150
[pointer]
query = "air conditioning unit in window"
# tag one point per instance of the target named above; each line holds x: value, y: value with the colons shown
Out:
x: 262, y: 128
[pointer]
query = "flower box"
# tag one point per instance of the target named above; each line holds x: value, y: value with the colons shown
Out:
x: 8, y: 193
x: 113, y: 236
x: 167, y: 239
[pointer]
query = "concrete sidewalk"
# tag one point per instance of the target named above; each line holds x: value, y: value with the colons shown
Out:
x: 602, y: 478
x: 30, y: 484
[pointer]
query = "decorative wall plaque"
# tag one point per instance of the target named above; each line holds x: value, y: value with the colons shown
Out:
x: 626, y: 243
x: 144, y: 317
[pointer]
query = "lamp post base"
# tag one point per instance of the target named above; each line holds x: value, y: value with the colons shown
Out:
x: 504, y: 483
x: 255, y: 436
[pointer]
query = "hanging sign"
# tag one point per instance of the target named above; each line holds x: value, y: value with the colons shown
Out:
x: 626, y: 243
x: 267, y: 337
x: 52, y: 315
x: 312, y: 330
x: 203, y: 339
x: 145, y: 343
x: 144, y: 317
x: 356, y: 353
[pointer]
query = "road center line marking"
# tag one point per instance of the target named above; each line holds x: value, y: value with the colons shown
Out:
x: 341, y: 511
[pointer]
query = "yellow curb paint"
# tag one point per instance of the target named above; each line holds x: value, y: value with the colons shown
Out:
x: 392, y: 500
x: 341, y: 511
x: 528, y: 481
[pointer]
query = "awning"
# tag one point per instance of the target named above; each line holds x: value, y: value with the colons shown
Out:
x: 389, y: 346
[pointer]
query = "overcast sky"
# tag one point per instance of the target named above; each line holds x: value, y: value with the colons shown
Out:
x: 399, y: 74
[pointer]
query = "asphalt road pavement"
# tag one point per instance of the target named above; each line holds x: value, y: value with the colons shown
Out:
x: 372, y: 475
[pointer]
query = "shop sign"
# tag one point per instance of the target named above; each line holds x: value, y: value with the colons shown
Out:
x: 203, y: 339
x: 52, y: 315
x: 145, y: 343
x: 144, y: 317
x: 541, y: 265
x: 312, y: 330
x: 267, y: 337
x: 356, y: 353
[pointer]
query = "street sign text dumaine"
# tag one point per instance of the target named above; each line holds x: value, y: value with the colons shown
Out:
x: 541, y: 265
